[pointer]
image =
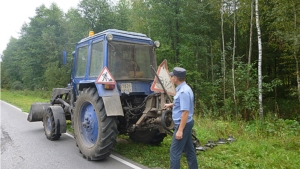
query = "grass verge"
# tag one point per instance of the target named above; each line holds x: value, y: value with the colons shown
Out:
x: 274, y: 143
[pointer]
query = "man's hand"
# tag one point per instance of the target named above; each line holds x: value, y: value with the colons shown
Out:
x: 169, y: 105
x: 179, y: 135
x: 184, y: 118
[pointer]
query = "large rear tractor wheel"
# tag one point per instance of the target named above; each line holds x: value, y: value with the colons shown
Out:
x: 49, y: 126
x: 95, y: 133
x: 149, y: 136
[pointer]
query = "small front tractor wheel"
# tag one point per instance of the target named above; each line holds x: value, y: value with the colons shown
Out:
x: 95, y: 133
x: 49, y: 126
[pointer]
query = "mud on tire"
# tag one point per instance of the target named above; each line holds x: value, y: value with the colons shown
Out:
x: 95, y: 133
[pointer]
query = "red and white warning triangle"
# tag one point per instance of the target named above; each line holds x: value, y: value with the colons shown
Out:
x: 165, y: 79
x: 105, y: 77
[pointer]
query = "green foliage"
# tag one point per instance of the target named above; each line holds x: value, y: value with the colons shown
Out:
x: 272, y: 143
x: 98, y: 13
x: 254, y: 148
x: 282, y: 128
x: 76, y: 27
x: 56, y: 76
x: 10, y: 71
x: 17, y: 85
x: 122, y: 12
x: 189, y: 32
x: 274, y: 127
x: 190, y: 36
x: 24, y: 98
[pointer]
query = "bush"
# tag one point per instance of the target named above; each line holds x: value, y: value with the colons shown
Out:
x: 17, y: 85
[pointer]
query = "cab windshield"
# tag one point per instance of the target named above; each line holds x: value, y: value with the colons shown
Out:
x: 130, y: 61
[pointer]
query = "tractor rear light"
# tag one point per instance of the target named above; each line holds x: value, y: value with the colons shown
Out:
x: 109, y: 86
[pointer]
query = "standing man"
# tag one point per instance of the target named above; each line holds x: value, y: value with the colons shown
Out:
x: 183, y: 110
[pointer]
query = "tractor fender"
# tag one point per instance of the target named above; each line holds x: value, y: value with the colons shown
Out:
x: 113, y: 105
x: 59, y: 118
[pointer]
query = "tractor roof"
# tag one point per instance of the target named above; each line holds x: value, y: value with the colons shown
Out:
x: 118, y: 32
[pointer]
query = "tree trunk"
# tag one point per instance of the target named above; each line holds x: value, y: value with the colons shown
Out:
x: 261, y: 114
x: 223, y: 50
x: 250, y: 44
x: 177, y: 31
x: 233, y: 54
x: 206, y: 67
x: 250, y: 53
x: 295, y: 49
x: 212, y: 62
x: 196, y: 80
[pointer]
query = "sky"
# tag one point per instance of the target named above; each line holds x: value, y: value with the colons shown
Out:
x: 14, y: 13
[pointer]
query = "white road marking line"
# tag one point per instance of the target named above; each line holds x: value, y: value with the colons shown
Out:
x: 11, y: 105
x: 125, y: 162
x: 69, y: 135
x: 112, y: 156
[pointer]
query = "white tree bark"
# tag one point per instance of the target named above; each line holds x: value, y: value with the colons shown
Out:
x: 259, y: 62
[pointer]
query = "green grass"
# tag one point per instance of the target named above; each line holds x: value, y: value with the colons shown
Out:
x: 24, y: 99
x: 254, y: 148
x: 272, y: 144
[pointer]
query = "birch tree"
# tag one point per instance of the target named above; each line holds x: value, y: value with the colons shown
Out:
x: 259, y: 62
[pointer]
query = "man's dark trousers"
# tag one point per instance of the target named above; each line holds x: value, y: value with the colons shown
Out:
x: 185, y: 144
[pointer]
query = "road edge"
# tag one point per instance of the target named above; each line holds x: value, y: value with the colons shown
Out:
x: 114, y: 155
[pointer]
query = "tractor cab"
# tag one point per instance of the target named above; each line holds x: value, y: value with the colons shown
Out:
x: 126, y: 55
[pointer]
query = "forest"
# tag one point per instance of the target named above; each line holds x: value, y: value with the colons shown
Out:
x: 241, y: 56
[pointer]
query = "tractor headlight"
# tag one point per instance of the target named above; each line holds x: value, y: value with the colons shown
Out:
x: 157, y: 44
x: 109, y: 37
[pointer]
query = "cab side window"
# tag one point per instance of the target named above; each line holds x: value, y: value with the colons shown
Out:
x: 96, y: 59
x: 82, y: 58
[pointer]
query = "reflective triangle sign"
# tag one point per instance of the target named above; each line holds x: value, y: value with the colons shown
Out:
x: 165, y: 79
x: 105, y: 77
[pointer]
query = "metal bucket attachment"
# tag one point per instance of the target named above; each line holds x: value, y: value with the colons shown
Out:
x: 37, y: 111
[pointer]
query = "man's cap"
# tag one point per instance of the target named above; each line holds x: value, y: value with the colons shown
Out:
x: 178, y: 72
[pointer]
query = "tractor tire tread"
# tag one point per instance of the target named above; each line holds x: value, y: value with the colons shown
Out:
x: 52, y: 135
x: 107, y: 127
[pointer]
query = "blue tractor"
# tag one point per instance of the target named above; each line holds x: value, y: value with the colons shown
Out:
x: 109, y: 94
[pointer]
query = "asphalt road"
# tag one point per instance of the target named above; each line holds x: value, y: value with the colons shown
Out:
x: 25, y: 146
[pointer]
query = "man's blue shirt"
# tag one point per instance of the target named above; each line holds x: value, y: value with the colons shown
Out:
x: 183, y: 100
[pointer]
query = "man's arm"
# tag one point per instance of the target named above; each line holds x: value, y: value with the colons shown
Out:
x: 169, y: 105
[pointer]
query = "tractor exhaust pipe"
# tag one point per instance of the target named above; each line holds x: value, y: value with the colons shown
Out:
x: 37, y: 111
